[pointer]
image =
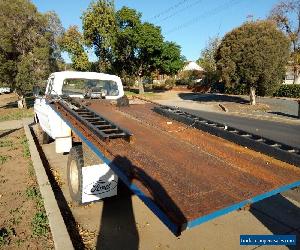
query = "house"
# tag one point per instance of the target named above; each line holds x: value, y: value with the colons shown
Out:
x: 290, y: 77
x: 192, y: 66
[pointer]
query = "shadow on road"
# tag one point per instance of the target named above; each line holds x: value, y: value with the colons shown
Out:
x: 284, y: 114
x: 212, y: 98
x: 279, y: 215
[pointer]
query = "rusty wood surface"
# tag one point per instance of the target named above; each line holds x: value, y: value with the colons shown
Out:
x: 188, y: 173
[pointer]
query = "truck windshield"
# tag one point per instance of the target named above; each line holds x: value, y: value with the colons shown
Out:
x: 90, y: 87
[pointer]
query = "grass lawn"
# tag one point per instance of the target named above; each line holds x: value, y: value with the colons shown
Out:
x: 148, y: 95
x: 9, y: 109
x: 15, y: 114
x: 23, y: 220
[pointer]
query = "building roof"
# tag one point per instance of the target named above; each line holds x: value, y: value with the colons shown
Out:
x: 192, y: 66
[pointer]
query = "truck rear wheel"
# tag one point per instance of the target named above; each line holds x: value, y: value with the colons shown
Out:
x: 74, y: 173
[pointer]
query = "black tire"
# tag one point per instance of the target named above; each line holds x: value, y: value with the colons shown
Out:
x: 74, y: 173
x: 42, y: 136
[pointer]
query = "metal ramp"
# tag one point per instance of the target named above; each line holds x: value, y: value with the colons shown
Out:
x: 102, y: 127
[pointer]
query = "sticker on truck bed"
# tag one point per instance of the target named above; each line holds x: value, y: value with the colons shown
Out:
x: 98, y: 182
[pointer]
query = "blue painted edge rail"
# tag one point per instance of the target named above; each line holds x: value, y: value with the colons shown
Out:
x: 176, y: 229
x: 236, y: 206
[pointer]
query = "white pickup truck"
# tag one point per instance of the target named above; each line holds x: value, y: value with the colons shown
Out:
x: 85, y: 184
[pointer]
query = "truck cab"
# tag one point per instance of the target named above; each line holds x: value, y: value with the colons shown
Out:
x: 72, y: 84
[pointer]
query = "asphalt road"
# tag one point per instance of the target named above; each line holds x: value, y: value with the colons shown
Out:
x: 285, y: 133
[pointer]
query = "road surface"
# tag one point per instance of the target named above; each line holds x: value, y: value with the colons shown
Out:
x: 282, y: 132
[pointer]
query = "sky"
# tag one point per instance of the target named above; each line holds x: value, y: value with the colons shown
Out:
x: 189, y: 23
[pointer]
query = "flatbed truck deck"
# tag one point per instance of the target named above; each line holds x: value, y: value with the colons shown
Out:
x: 184, y: 175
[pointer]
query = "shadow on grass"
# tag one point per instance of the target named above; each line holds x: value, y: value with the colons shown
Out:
x: 8, y: 132
x: 29, y: 98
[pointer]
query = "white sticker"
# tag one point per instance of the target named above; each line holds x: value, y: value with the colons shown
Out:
x: 98, y: 182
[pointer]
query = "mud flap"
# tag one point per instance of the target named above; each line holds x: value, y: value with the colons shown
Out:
x: 63, y: 144
x: 98, y: 182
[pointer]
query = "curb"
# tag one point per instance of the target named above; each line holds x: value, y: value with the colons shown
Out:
x: 266, y: 118
x: 59, y: 232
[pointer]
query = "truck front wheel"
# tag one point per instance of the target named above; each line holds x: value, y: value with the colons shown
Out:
x: 74, y: 173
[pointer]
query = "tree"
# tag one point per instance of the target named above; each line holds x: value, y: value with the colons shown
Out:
x: 286, y: 14
x: 171, y: 60
x: 208, y: 62
x: 125, y: 49
x: 139, y: 49
x: 99, y: 31
x: 126, y: 45
x: 25, y: 46
x: 54, y: 30
x: 73, y: 43
x: 254, y: 54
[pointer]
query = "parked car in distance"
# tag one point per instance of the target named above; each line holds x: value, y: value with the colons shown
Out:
x: 4, y: 90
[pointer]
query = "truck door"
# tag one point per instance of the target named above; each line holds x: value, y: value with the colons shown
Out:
x: 42, y: 109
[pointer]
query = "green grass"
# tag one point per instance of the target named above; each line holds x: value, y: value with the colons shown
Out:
x: 39, y: 224
x: 5, y: 234
x: 26, y: 151
x: 3, y: 159
x: 6, y: 143
x: 32, y: 192
x: 150, y: 95
x: 30, y: 169
x: 16, y: 114
x: 19, y: 242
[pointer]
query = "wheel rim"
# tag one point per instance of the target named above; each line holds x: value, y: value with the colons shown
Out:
x: 74, y: 177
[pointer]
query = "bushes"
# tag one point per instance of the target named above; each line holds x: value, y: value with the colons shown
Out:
x: 288, y: 91
x: 166, y: 85
x: 240, y: 89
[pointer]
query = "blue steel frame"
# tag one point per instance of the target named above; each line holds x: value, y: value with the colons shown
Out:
x: 176, y: 229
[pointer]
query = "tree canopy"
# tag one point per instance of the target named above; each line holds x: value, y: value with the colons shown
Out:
x: 286, y: 15
x: 254, y: 54
x: 31, y: 44
x: 27, y: 45
x: 73, y: 43
x: 127, y: 46
x: 207, y: 61
x: 99, y: 30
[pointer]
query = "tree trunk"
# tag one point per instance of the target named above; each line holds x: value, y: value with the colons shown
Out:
x: 22, y: 102
x: 294, y: 62
x: 141, y: 88
x: 252, y: 96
